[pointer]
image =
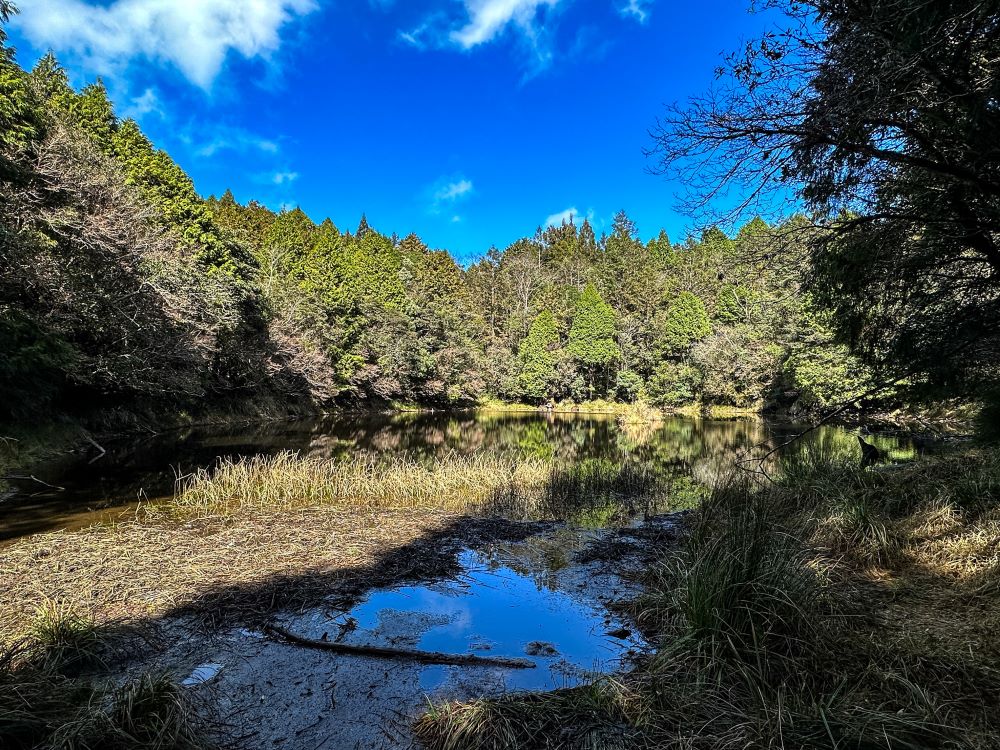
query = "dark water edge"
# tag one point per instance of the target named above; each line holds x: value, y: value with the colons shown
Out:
x: 77, y: 488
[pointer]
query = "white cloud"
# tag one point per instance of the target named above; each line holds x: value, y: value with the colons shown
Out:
x: 444, y: 194
x: 195, y: 36
x: 485, y: 21
x: 573, y: 215
x: 638, y: 9
x: 148, y: 102
x: 282, y: 178
x: 456, y: 219
x: 453, y: 191
x: 559, y: 218
x: 489, y: 18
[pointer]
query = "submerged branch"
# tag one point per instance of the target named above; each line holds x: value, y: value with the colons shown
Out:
x: 382, y: 652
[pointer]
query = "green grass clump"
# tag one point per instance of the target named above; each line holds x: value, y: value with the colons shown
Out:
x: 34, y: 701
x: 741, y: 583
x: 548, y: 720
x: 63, y: 640
x: 48, y: 701
x: 150, y: 712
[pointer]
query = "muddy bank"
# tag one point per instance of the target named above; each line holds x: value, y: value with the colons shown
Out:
x: 197, y: 600
x: 559, y: 618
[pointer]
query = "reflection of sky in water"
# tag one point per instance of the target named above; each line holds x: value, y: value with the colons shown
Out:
x: 500, y: 608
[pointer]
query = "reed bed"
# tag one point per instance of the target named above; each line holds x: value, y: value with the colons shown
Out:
x: 590, y: 492
x: 288, y: 481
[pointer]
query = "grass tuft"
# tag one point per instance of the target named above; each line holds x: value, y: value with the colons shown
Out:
x: 63, y: 640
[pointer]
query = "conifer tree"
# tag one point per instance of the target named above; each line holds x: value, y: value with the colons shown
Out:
x: 537, y: 358
x: 686, y: 322
x: 592, y: 336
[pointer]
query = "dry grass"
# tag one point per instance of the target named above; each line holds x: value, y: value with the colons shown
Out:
x: 287, y: 481
x: 143, y: 569
x: 838, y: 608
x: 259, y: 534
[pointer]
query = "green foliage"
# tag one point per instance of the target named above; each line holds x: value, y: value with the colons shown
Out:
x: 537, y: 358
x: 674, y: 384
x: 592, y: 335
x: 20, y: 118
x: 826, y: 375
x: 685, y: 323
x: 128, y: 286
x: 904, y: 188
x: 628, y: 385
x: 166, y: 187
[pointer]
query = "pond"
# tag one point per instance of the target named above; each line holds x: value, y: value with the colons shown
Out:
x: 81, y: 488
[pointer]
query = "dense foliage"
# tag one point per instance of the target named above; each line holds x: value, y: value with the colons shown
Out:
x: 122, y: 287
x: 882, y: 117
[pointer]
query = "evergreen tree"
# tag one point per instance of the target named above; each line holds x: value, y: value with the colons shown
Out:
x: 685, y: 322
x: 592, y: 337
x: 20, y: 120
x: 363, y: 227
x: 537, y: 359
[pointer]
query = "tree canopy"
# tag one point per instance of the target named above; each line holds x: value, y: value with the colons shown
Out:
x: 882, y: 118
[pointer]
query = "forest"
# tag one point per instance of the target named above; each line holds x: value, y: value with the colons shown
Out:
x: 125, y: 289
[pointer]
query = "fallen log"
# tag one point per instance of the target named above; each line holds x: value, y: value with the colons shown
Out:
x: 384, y: 652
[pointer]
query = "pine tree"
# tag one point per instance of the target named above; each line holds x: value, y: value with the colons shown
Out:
x: 93, y: 111
x: 363, y: 227
x: 51, y: 82
x: 20, y: 121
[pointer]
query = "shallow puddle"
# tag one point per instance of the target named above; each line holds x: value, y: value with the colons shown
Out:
x: 490, y: 609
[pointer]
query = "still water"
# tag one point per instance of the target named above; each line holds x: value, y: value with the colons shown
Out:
x: 81, y: 488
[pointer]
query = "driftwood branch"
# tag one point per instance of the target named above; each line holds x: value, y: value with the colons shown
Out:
x: 381, y: 652
x: 33, y: 478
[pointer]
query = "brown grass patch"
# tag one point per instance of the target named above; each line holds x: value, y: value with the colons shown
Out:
x: 245, y: 563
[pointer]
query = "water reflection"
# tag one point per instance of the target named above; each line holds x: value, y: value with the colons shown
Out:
x: 492, y: 608
x: 691, y: 453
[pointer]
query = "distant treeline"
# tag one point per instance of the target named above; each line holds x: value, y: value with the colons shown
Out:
x: 122, y: 286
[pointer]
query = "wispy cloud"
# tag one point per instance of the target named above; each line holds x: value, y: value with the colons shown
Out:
x: 569, y: 215
x: 445, y: 194
x: 283, y: 178
x: 486, y: 21
x: 147, y: 103
x: 193, y: 36
x: 637, y: 9
x: 227, y: 138
x: 452, y: 191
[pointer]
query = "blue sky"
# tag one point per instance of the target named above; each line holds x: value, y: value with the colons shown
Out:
x: 470, y: 122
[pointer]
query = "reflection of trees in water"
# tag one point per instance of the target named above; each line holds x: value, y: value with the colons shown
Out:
x: 684, y: 454
x: 703, y: 449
